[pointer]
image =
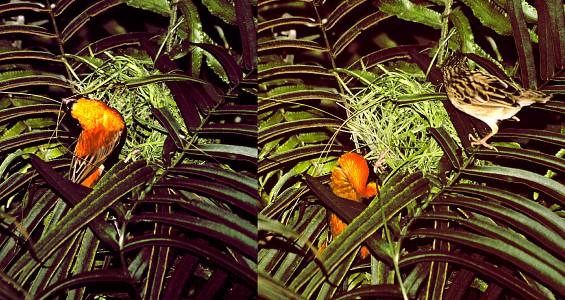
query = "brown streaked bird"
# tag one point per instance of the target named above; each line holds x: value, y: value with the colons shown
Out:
x: 349, y: 181
x: 102, y: 127
x: 485, y: 96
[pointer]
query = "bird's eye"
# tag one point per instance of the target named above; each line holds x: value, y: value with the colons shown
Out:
x: 69, y: 102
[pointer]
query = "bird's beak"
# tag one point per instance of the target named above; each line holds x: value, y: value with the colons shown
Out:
x: 69, y: 103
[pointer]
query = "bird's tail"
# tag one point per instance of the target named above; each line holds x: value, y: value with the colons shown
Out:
x: 529, y: 97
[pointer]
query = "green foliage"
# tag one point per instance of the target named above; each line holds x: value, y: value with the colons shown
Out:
x: 409, y: 11
x: 173, y: 214
x: 450, y: 219
x: 222, y: 9
x: 393, y: 132
x: 157, y: 6
x: 146, y: 135
x: 491, y: 15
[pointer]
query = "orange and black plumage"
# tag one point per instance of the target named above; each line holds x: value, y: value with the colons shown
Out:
x: 349, y: 180
x: 101, y: 127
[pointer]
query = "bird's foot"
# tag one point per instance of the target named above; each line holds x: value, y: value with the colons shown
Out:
x: 476, y: 142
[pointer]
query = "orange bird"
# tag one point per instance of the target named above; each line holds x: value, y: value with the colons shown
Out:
x: 349, y: 181
x: 102, y: 127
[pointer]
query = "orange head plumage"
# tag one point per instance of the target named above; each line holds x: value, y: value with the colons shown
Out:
x: 349, y: 178
x: 101, y: 129
x: 349, y: 181
x: 100, y: 124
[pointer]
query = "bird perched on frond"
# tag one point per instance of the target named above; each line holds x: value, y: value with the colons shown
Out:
x: 101, y: 127
x: 349, y: 181
x: 485, y: 96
